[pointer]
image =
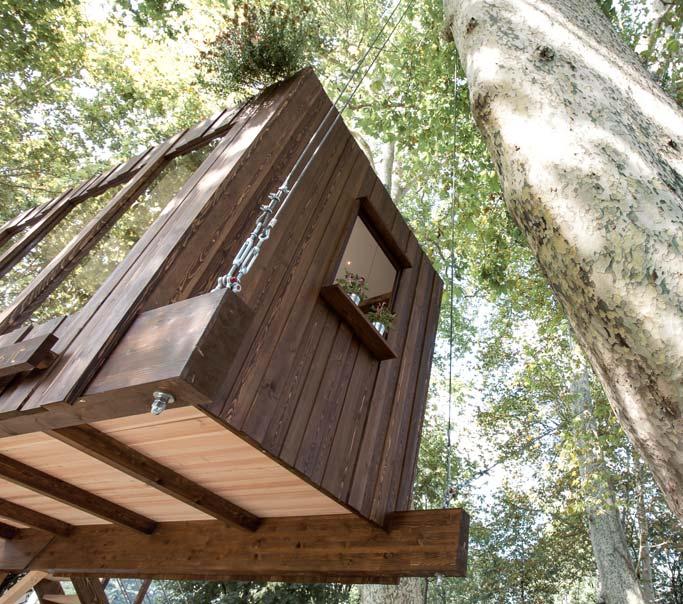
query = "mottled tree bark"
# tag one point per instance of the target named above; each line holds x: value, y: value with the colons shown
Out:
x: 409, y: 591
x: 617, y: 579
x: 589, y: 151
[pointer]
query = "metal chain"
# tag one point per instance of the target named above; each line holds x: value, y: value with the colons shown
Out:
x: 251, y: 248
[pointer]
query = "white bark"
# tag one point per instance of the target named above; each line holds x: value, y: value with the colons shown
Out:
x: 616, y: 575
x: 408, y: 591
x: 389, y: 154
x: 590, y: 157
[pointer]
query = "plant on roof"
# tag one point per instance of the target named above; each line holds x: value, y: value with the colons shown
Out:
x: 260, y: 45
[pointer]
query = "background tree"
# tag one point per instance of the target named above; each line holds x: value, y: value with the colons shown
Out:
x: 129, y: 74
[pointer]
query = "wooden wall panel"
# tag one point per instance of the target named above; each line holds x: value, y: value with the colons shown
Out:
x: 404, y: 486
x: 276, y: 290
x: 303, y: 389
x: 389, y: 471
x: 362, y: 489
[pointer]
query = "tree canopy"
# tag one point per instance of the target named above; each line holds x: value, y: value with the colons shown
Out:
x: 84, y: 84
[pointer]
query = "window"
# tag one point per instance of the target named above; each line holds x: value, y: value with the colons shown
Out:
x: 365, y: 257
x: 84, y: 280
x: 23, y: 272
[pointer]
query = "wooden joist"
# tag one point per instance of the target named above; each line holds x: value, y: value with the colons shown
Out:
x: 29, y: 354
x: 53, y: 487
x: 63, y: 598
x: 89, y: 590
x: 7, y: 531
x: 24, y: 515
x: 108, y: 450
x: 417, y: 543
x: 15, y: 593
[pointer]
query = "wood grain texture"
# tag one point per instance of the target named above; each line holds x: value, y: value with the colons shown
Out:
x: 418, y: 543
x: 111, y: 310
x: 17, y: 553
x: 89, y: 590
x: 182, y: 439
x: 341, y: 426
x: 357, y: 322
x: 35, y: 480
x: 110, y: 451
x: 31, y: 353
x: 24, y: 515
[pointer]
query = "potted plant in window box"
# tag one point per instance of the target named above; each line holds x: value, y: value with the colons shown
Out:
x: 381, y: 317
x: 354, y: 286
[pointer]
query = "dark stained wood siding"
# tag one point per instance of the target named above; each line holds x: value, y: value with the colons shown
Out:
x: 304, y: 388
x: 308, y: 392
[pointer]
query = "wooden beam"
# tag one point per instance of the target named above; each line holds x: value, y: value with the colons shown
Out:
x: 29, y: 354
x: 15, y: 593
x: 142, y: 592
x: 17, y: 553
x: 53, y: 487
x: 19, y: 513
x: 7, y: 531
x: 417, y: 543
x: 89, y: 590
x: 110, y: 451
x: 63, y: 598
x: 48, y: 587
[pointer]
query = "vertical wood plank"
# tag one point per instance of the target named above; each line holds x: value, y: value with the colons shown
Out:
x: 362, y: 487
x: 122, y: 294
x: 405, y: 483
x: 346, y: 442
x: 290, y: 282
x: 317, y: 438
x: 389, y: 470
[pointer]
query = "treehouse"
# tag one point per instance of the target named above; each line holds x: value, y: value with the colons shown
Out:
x: 153, y: 425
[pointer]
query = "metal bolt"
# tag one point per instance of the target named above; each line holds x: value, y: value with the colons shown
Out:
x: 161, y: 401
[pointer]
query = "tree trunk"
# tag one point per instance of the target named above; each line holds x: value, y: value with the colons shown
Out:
x: 388, y: 156
x: 616, y: 575
x: 409, y: 591
x: 644, y: 557
x: 589, y: 152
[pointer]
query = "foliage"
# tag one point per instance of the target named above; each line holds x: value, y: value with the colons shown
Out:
x: 253, y: 593
x: 260, y: 45
x: 81, y: 90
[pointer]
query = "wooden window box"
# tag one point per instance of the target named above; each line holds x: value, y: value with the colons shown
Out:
x: 357, y: 321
